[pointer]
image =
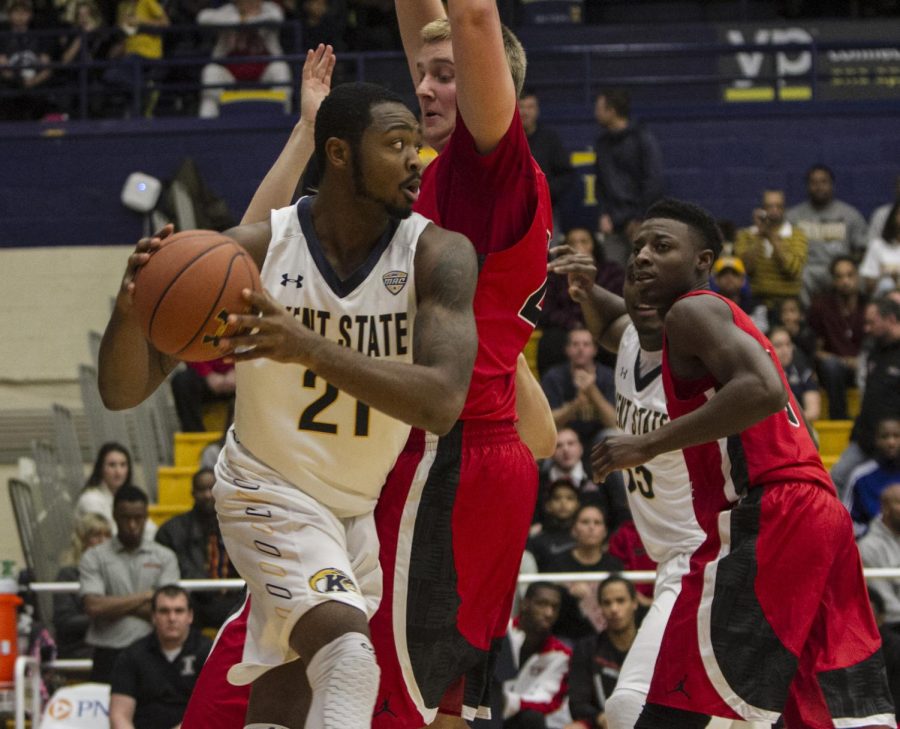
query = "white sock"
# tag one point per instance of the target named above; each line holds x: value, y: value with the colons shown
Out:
x: 623, y: 708
x: 344, y: 677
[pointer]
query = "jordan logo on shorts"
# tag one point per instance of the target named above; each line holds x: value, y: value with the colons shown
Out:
x: 680, y: 689
x: 331, y: 580
x: 383, y: 709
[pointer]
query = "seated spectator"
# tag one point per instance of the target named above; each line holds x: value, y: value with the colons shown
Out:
x: 546, y: 147
x: 837, y: 317
x: 730, y: 280
x: 535, y: 691
x: 70, y: 621
x: 560, y: 313
x: 880, y: 547
x: 231, y: 45
x: 799, y: 373
x: 155, y: 675
x: 199, y: 383
x: 832, y: 228
x: 597, y: 659
x: 111, y: 471
x: 773, y: 251
x: 890, y: 647
x: 881, y: 397
x: 872, y: 477
x: 789, y: 314
x: 880, y: 267
x: 323, y: 23
x: 91, y: 41
x: 580, y: 612
x: 880, y: 214
x: 581, y: 391
x: 118, y: 578
x: 21, y: 52
x: 197, y: 542
x: 556, y: 524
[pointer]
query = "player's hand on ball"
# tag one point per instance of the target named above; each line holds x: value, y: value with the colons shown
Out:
x: 271, y: 333
x: 581, y: 269
x: 139, y: 256
x: 618, y: 452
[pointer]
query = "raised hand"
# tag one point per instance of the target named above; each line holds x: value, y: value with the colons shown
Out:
x: 581, y: 269
x: 316, y: 84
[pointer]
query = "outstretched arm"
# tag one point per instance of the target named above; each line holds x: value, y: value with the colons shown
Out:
x: 535, y: 424
x: 486, y: 100
x: 412, y: 16
x: 277, y: 188
x: 703, y: 339
x: 430, y: 392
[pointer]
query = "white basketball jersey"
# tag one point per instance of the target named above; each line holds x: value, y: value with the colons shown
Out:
x: 328, y: 444
x: 659, y: 492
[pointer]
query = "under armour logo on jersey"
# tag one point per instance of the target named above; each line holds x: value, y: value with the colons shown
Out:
x: 286, y: 279
x: 623, y: 372
x: 394, y: 281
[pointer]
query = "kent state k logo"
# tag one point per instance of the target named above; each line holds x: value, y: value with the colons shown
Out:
x: 331, y: 580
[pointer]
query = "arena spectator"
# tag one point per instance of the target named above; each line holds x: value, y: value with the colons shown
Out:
x: 155, y: 675
x: 232, y: 45
x: 199, y: 383
x: 118, y: 578
x: 546, y: 147
x: 90, y: 41
x: 880, y: 547
x: 870, y: 478
x: 799, y: 373
x: 581, y: 391
x: 880, y: 267
x: 881, y: 398
x: 21, y: 53
x: 534, y: 695
x: 323, y: 23
x: 195, y: 539
x: 789, y: 313
x: 890, y: 646
x: 730, y: 280
x: 773, y: 251
x: 832, y: 228
x: 560, y: 314
x: 880, y: 215
x: 629, y: 172
x: 838, y: 319
x: 556, y: 522
x: 70, y: 621
x: 580, y: 612
x: 597, y: 659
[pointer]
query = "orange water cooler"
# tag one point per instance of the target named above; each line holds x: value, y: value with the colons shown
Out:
x: 9, y: 637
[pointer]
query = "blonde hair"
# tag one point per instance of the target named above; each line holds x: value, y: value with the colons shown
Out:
x: 439, y: 30
x: 86, y: 526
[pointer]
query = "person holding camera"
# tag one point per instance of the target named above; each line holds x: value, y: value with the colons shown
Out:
x: 773, y: 251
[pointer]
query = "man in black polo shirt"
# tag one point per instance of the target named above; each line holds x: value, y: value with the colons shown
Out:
x: 153, y: 677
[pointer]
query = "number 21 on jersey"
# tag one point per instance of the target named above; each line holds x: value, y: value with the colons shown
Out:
x: 315, y: 416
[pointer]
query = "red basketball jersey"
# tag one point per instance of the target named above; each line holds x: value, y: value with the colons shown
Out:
x: 501, y: 202
x: 777, y: 449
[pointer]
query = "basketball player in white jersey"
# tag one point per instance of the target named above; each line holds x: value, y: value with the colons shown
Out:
x: 659, y: 492
x: 364, y: 329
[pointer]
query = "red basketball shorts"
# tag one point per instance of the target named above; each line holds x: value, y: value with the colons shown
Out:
x: 452, y: 524
x: 215, y: 703
x: 774, y: 618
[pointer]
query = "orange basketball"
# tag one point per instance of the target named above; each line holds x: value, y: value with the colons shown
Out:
x: 186, y: 290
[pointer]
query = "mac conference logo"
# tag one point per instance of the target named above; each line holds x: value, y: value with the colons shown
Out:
x: 394, y: 281
x: 59, y: 709
x: 331, y: 580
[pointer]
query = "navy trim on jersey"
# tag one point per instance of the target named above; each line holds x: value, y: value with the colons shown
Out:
x: 340, y: 287
x: 642, y: 381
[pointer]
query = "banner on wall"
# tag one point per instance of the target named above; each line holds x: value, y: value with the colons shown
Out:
x: 863, y: 72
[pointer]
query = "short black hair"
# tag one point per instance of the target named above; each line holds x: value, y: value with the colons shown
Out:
x: 196, y: 477
x: 841, y: 259
x: 170, y: 590
x: 619, y: 100
x: 535, y: 586
x: 528, y: 91
x: 891, y: 230
x: 887, y: 307
x: 130, y: 494
x: 561, y: 483
x: 612, y: 579
x: 819, y: 167
x: 346, y: 113
x: 691, y: 215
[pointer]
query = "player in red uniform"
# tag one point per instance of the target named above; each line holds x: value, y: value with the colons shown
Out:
x: 454, y: 515
x: 773, y: 617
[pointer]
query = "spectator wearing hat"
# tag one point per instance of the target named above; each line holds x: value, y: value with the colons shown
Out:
x: 730, y: 280
x: 773, y: 251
